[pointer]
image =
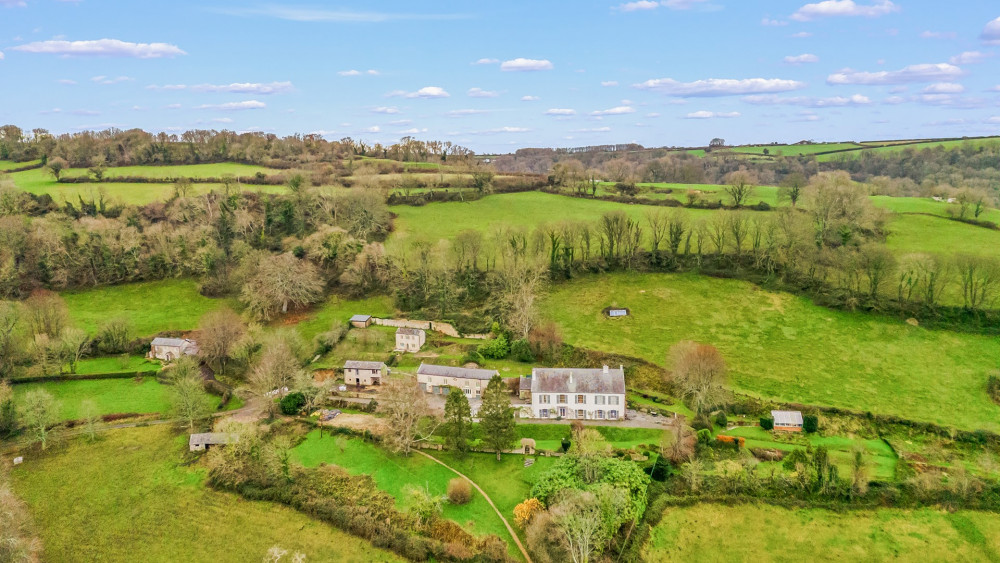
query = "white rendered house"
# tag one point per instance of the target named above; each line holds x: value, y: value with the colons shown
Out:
x: 578, y: 393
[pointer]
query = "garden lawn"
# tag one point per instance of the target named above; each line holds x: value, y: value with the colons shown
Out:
x: 395, y: 474
x: 114, y: 364
x: 711, y: 532
x: 173, y: 304
x: 882, y: 460
x: 549, y: 436
x: 781, y: 346
x: 339, y: 309
x: 127, y: 498
x: 110, y: 395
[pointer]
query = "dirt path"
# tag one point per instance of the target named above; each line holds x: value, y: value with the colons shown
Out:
x: 488, y: 499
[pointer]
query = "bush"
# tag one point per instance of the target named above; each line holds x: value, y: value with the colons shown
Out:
x: 459, y: 491
x: 810, y: 423
x: 661, y: 469
x: 521, y: 351
x: 721, y: 420
x: 496, y: 349
x: 704, y: 436
x: 767, y: 423
x: 524, y: 512
x: 796, y: 456
x: 565, y: 445
x: 292, y: 403
x: 702, y: 422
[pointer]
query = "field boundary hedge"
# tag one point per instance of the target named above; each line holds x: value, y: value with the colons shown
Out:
x: 252, y: 180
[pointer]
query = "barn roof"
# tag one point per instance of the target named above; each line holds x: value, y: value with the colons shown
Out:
x: 161, y: 341
x: 212, y: 438
x: 358, y: 364
x: 787, y: 418
x: 413, y: 331
x: 360, y: 318
x: 578, y: 380
x: 448, y: 371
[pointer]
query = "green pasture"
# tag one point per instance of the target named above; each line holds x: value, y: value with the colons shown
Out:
x: 127, y: 497
x: 111, y: 395
x: 714, y: 532
x: 214, y: 170
x: 781, y: 346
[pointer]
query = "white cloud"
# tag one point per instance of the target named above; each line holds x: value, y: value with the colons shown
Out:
x: 372, y: 129
x: 425, y: 92
x: 944, y: 88
x: 487, y: 62
x: 653, y: 115
x: 530, y: 98
x: 712, y: 114
x: 720, y: 86
x: 50, y: 111
x: 768, y: 22
x: 681, y: 4
x: 991, y: 33
x: 639, y: 5
x: 66, y: 82
x: 107, y: 80
x: 480, y: 93
x: 101, y: 48
x: 387, y: 110
x: 801, y: 35
x: 994, y: 119
x: 412, y: 131
x: 13, y: 3
x: 895, y: 100
x: 85, y: 112
x: 239, y: 88
x: 561, y: 111
x: 608, y: 83
x: 333, y: 15
x: 352, y: 72
x: 234, y: 106
x: 521, y: 64
x: 167, y: 87
x: 831, y: 8
x: 401, y: 122
x: 172, y: 106
x: 222, y: 120
x: 801, y: 59
x: 465, y: 112
x: 912, y: 73
x: 969, y: 58
x: 619, y: 110
x: 501, y: 130
x: 937, y: 35
x: 593, y: 130
x: 1, y: 55
x: 807, y: 101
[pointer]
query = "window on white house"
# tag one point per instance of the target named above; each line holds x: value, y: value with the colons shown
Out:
x: 612, y: 399
x: 599, y: 399
x: 612, y: 414
x: 581, y: 399
x: 544, y: 413
x: 600, y: 415
x: 562, y: 399
x: 579, y: 413
x: 543, y: 399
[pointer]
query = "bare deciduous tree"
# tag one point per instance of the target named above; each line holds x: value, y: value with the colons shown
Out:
x: 408, y: 413
x: 280, y: 282
x: 740, y: 186
x: 39, y: 412
x: 699, y: 372
x: 220, y: 331
x: 187, y: 391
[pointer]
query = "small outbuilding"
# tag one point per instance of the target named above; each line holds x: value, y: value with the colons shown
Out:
x: 364, y: 373
x: 169, y: 349
x: 362, y: 321
x: 787, y: 421
x: 410, y: 339
x: 201, y: 442
x: 524, y: 388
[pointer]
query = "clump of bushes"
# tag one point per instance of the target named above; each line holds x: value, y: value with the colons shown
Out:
x: 292, y: 403
x: 459, y: 491
x: 721, y: 420
x: 767, y: 423
x: 795, y: 457
x: 810, y: 423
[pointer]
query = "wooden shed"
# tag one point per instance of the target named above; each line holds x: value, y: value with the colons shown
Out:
x: 361, y: 321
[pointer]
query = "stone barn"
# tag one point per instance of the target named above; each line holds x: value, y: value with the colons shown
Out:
x: 169, y: 349
x: 364, y: 373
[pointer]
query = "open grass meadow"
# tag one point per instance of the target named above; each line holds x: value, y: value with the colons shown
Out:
x: 790, y: 150
x: 711, y: 532
x: 396, y: 474
x: 213, y: 170
x: 156, y: 306
x: 781, y: 346
x: 127, y: 497
x: 10, y: 165
x: 143, y: 396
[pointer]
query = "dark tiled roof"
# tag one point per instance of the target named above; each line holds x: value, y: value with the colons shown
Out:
x: 525, y: 383
x: 358, y: 364
x: 413, y: 331
x: 577, y: 380
x: 161, y: 341
x: 448, y: 371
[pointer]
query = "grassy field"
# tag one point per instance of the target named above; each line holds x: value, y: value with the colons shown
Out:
x: 393, y: 474
x: 709, y: 532
x: 40, y: 182
x: 128, y: 498
x: 790, y: 150
x: 173, y: 304
x: 924, y: 233
x: 881, y: 458
x: 892, y: 147
x: 112, y: 396
x: 10, y: 165
x: 339, y: 309
x: 782, y: 346
x: 113, y: 364
x: 214, y: 170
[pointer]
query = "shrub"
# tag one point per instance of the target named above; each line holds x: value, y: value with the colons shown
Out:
x: 496, y: 349
x: 661, y: 469
x: 521, y: 351
x: 704, y: 436
x: 459, y: 491
x: 810, y: 423
x: 702, y: 422
x: 767, y: 423
x: 292, y: 403
x: 795, y: 457
x: 525, y: 511
x: 565, y: 444
x: 721, y: 420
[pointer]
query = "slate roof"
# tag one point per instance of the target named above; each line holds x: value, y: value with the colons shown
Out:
x: 413, y: 331
x: 525, y: 383
x: 358, y: 364
x: 464, y: 373
x: 577, y: 380
x: 212, y: 438
x: 787, y: 418
x: 360, y: 318
x: 160, y: 341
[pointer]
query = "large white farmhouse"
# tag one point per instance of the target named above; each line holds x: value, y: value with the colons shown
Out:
x: 578, y: 393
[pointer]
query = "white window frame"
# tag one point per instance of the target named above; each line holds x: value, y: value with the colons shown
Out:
x: 613, y: 399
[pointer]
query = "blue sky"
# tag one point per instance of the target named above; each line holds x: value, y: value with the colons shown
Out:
x: 501, y: 75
